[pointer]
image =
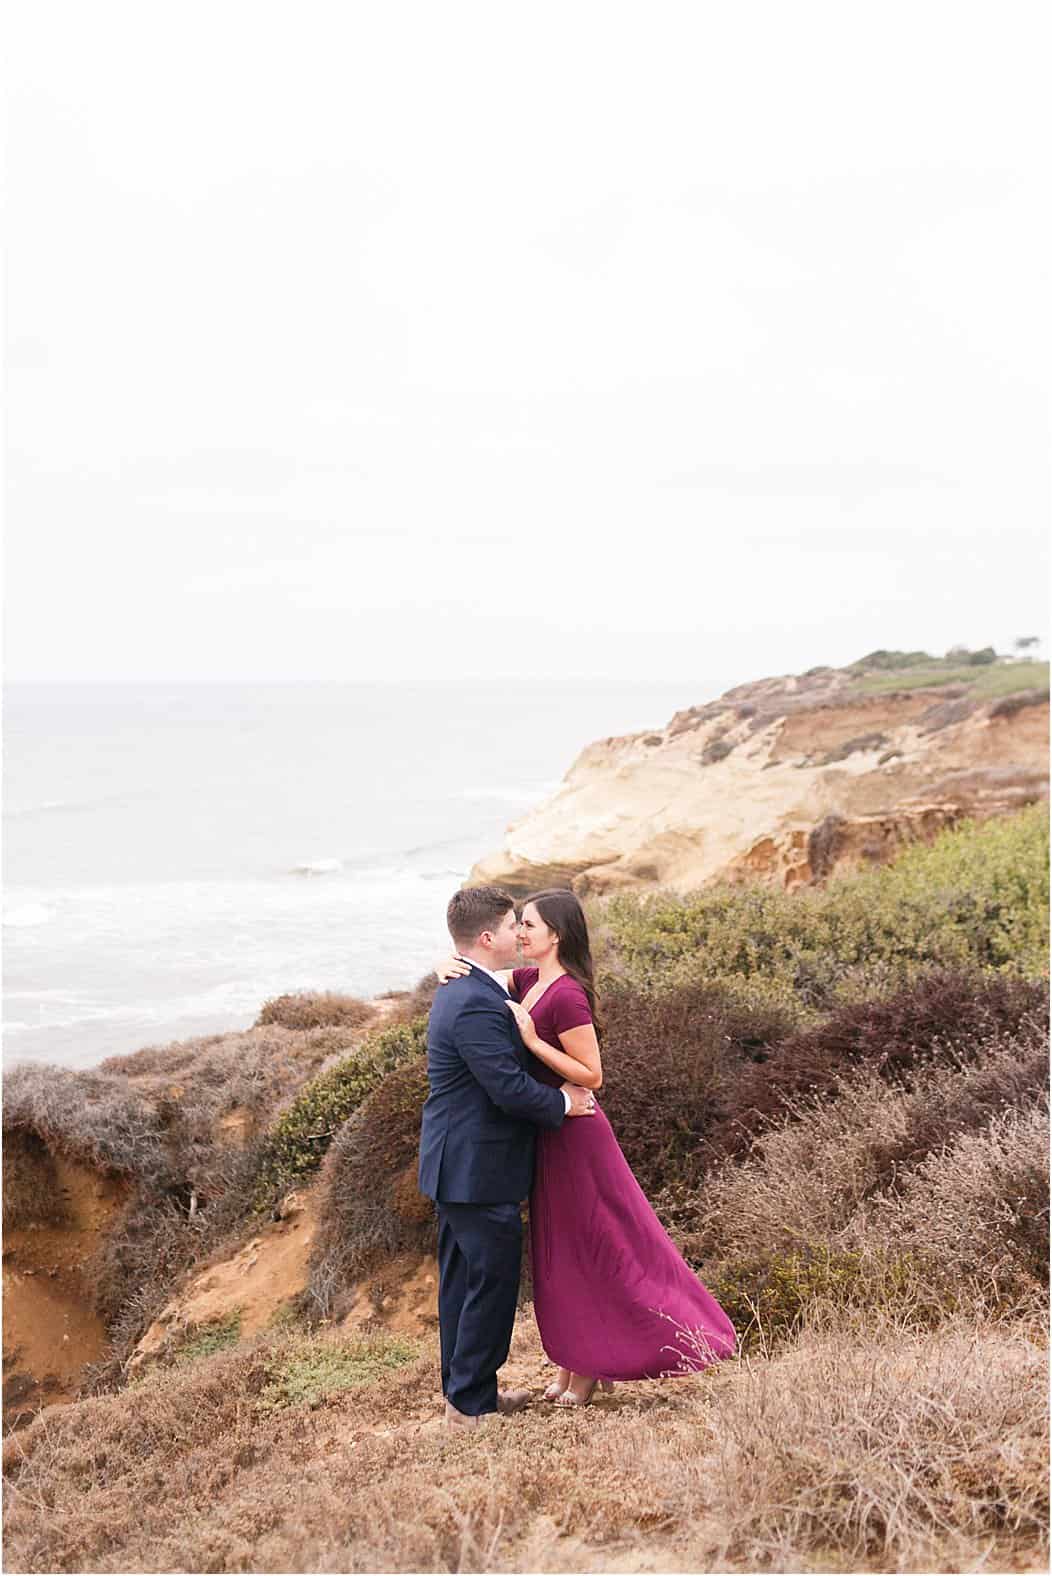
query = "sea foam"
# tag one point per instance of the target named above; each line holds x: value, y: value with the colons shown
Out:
x: 318, y: 867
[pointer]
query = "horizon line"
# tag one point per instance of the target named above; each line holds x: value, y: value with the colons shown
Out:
x: 422, y: 678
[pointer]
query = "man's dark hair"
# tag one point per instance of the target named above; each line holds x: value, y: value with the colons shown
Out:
x: 475, y: 909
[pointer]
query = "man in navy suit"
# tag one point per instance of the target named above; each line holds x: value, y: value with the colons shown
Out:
x: 476, y: 1153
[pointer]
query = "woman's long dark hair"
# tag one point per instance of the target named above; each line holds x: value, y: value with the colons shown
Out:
x: 562, y: 912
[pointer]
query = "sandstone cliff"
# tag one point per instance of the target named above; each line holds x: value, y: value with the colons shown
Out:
x: 785, y: 779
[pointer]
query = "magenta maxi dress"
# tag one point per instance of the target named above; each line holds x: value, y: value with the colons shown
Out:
x: 612, y: 1295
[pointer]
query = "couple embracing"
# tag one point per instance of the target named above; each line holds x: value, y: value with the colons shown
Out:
x: 513, y: 1067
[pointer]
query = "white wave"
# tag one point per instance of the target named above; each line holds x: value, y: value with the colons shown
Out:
x: 28, y: 914
x: 83, y: 1014
x: 318, y: 867
x: 69, y: 1011
x: 232, y: 998
x: 383, y: 881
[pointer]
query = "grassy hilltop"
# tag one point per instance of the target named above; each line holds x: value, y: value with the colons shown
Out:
x: 837, y: 1100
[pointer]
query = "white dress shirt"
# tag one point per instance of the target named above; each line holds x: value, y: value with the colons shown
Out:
x: 485, y: 970
x: 500, y: 982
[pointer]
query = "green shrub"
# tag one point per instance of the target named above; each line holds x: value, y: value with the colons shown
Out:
x: 370, y: 1204
x: 287, y: 1315
x: 315, y: 1369
x: 211, y: 1337
x: 768, y: 1298
x: 976, y: 897
x: 883, y: 660
x: 986, y: 681
x: 296, y: 1144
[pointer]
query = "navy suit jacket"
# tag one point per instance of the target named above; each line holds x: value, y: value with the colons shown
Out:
x: 477, y: 1130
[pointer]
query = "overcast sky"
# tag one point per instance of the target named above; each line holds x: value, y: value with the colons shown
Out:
x: 375, y: 339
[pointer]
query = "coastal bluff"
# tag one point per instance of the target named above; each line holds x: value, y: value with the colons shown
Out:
x: 789, y: 778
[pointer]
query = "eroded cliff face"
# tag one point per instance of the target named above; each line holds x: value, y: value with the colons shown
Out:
x: 56, y: 1214
x: 784, y: 780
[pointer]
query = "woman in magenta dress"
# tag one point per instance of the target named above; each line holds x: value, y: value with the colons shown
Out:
x: 613, y: 1297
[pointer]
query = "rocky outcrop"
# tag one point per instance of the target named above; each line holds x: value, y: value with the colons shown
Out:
x: 782, y: 780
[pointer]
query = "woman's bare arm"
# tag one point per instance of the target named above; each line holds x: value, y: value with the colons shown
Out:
x: 578, y: 1062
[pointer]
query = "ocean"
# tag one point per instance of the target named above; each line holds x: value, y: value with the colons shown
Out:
x: 175, y: 854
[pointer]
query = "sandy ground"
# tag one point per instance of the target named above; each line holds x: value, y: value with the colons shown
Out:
x: 271, y: 1269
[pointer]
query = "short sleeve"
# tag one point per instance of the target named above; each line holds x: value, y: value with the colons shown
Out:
x: 520, y: 983
x: 570, y: 1009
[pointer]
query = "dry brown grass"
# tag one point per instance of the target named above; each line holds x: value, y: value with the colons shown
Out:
x: 949, y: 1016
x: 317, y: 1010
x: 869, y: 1449
x: 807, y: 1178
x: 91, y: 1116
x: 975, y: 1219
x: 153, y: 1114
x: 694, y: 1075
x: 920, y: 1197
x: 156, y: 1117
x: 256, y: 1071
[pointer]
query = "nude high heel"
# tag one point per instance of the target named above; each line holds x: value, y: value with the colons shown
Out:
x: 554, y: 1390
x: 569, y: 1399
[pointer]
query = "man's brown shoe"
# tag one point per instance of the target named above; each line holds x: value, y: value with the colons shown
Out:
x: 512, y: 1400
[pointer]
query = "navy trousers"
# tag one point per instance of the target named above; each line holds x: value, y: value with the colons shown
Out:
x: 479, y: 1262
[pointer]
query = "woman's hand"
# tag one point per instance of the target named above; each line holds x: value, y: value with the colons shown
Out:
x: 525, y: 1023
x: 451, y: 969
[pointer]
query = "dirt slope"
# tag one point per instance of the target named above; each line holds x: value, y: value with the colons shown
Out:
x: 50, y: 1330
